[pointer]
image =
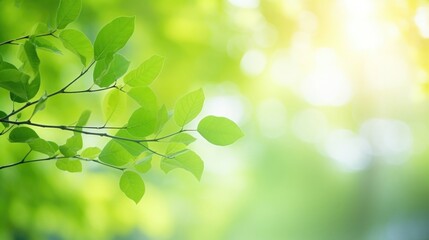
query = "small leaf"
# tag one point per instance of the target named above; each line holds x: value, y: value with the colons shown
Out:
x: 67, y: 12
x: 43, y: 146
x: 143, y: 121
x: 188, y: 160
x: 91, y: 152
x: 3, y: 116
x: 113, y: 102
x: 162, y: 119
x: 83, y: 119
x: 132, y: 185
x: 219, y: 130
x: 143, y: 165
x: 72, y: 146
x: 78, y: 43
x: 40, y: 105
x: 184, y: 138
x: 22, y: 135
x: 144, y: 96
x: 145, y: 73
x: 14, y: 81
x: 133, y: 148
x: 113, y: 36
x: 70, y: 165
x: 114, y: 154
x: 188, y: 107
x: 29, y: 58
x: 107, y: 72
x: 45, y: 44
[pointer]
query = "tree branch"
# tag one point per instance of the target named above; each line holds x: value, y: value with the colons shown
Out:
x: 12, y: 41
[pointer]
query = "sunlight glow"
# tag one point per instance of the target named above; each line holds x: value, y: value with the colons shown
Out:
x: 421, y: 19
x: 327, y: 84
x: 272, y: 118
x: 253, y: 62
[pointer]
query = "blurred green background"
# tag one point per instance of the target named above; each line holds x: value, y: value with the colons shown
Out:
x: 332, y: 96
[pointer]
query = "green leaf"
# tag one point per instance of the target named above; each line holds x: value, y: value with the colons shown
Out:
x: 107, y: 72
x: 175, y: 149
x: 144, y: 96
x: 143, y: 121
x: 6, y: 65
x: 184, y: 138
x: 3, y: 115
x: 219, y: 130
x: 40, y: 145
x: 188, y: 160
x: 145, y: 73
x: 14, y: 81
x: 72, y: 146
x: 132, y: 185
x: 30, y: 60
x: 78, y: 43
x: 22, y: 135
x: 41, y: 104
x: 114, y: 154
x: 83, y: 119
x: 143, y: 165
x: 113, y: 36
x: 133, y: 148
x: 70, y: 165
x: 162, y: 119
x: 91, y: 152
x: 30, y: 90
x: 113, y: 101
x: 188, y: 107
x: 45, y: 44
x: 67, y: 12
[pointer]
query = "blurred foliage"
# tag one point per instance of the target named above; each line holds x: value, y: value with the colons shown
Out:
x: 315, y: 84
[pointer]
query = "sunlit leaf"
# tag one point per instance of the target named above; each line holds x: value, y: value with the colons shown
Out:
x: 69, y: 165
x: 219, y: 130
x: 107, y: 72
x: 188, y: 107
x: 132, y: 185
x: 184, y: 138
x: 22, y: 135
x: 40, y: 145
x: 144, y: 165
x: 133, y: 148
x: 145, y: 73
x: 114, y: 154
x: 91, y: 152
x: 41, y: 104
x: 72, y: 146
x: 29, y: 58
x: 143, y: 121
x: 144, y: 96
x: 188, y: 160
x: 78, y: 43
x: 43, y: 43
x: 113, y: 36
x: 67, y: 12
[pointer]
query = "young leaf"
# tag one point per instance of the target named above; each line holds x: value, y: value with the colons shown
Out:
x: 132, y: 185
x: 40, y: 105
x: 67, y: 12
x: 144, y: 164
x: 3, y: 115
x: 143, y: 96
x: 114, y: 154
x: 22, y: 135
x: 70, y: 165
x: 72, y: 146
x: 78, y: 43
x: 133, y: 148
x: 14, y: 81
x: 45, y: 44
x: 184, y: 138
x: 29, y: 58
x: 113, y: 37
x: 145, y: 73
x: 162, y: 119
x: 42, y: 146
x: 91, y: 152
x: 219, y: 130
x: 188, y: 160
x: 188, y: 107
x: 143, y: 121
x: 105, y: 73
